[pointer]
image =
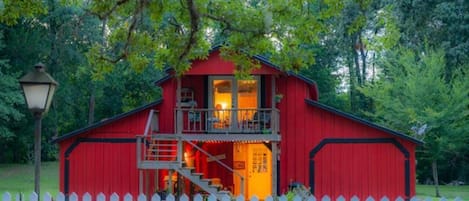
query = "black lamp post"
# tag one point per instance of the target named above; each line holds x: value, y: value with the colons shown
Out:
x: 38, y: 88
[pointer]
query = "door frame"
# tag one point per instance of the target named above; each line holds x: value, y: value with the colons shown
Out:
x: 234, y: 90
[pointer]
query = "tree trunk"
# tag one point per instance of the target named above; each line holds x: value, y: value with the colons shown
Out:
x: 435, y: 177
x: 363, y: 55
x: 356, y: 60
x: 352, y: 85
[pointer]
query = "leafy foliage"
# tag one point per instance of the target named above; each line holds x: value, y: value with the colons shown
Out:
x: 12, y: 10
x: 10, y: 99
x: 413, y: 96
x: 177, y: 32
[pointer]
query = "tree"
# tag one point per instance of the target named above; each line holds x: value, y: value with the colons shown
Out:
x: 177, y: 32
x: 413, y: 96
x: 10, y: 98
x: 442, y: 25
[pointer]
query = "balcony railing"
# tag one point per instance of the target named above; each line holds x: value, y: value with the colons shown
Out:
x: 248, y: 121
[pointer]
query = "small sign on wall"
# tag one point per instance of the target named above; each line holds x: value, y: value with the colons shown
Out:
x: 239, y: 165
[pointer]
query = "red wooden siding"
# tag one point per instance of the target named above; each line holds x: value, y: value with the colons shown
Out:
x: 304, y: 126
x: 103, y: 159
x: 215, y: 65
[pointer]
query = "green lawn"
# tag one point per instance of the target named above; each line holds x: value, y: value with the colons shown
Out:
x: 16, y: 178
x: 449, y: 192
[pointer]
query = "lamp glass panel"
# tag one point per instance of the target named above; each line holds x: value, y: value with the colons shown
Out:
x: 50, y: 96
x: 36, y: 95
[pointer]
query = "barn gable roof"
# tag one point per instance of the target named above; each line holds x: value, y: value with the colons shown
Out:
x: 362, y: 121
x: 170, y: 74
x: 105, y: 122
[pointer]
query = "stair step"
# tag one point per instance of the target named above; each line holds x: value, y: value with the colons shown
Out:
x: 164, y: 145
x: 197, y: 174
x: 189, y: 168
x: 161, y: 156
x: 162, y: 150
x: 206, y: 180
x: 216, y: 185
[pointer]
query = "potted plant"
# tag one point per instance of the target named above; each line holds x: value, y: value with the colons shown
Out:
x: 278, y: 98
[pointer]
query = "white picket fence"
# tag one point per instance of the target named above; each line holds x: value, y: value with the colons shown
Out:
x: 128, y: 197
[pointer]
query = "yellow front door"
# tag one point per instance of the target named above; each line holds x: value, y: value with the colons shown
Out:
x: 256, y: 169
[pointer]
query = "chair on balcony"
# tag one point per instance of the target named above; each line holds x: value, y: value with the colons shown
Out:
x: 260, y: 121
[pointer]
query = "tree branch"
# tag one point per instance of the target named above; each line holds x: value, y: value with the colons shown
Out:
x: 230, y: 27
x: 133, y: 26
x: 194, y: 29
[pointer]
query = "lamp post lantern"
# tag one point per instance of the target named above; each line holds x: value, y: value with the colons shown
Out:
x: 38, y: 87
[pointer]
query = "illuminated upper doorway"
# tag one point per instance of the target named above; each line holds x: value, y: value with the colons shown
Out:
x: 233, y: 99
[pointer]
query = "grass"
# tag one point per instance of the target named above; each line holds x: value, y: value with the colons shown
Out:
x: 449, y: 192
x: 19, y: 178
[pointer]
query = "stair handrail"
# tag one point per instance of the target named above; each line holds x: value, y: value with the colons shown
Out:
x: 219, y: 162
x: 149, y: 121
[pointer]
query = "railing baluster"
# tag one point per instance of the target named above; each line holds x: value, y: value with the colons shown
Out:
x: 248, y: 120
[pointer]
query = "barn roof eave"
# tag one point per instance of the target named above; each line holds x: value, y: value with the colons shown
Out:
x: 363, y: 121
x: 105, y: 122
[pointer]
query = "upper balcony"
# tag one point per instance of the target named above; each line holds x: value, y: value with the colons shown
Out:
x: 228, y: 121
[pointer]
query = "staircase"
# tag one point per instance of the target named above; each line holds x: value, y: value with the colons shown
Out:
x: 161, y: 152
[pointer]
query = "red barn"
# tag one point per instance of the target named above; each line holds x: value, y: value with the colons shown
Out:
x: 213, y: 133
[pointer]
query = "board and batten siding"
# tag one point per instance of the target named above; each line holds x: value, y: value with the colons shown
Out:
x: 103, y: 159
x: 345, y: 167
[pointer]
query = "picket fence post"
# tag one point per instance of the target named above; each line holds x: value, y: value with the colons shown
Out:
x: 142, y: 197
x: 60, y: 197
x: 33, y: 197
x: 155, y: 197
x: 128, y: 197
x: 340, y: 198
x: 212, y: 197
x: 6, y: 196
x: 101, y: 197
x: 225, y: 198
x: 86, y: 197
x: 282, y: 198
x: 326, y: 198
x: 47, y: 196
x: 198, y: 197
x: 254, y: 198
x: 385, y: 198
x: 170, y: 197
x: 311, y: 198
x: 114, y: 197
